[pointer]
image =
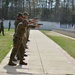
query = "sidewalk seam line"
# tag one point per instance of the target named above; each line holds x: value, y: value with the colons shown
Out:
x: 39, y: 55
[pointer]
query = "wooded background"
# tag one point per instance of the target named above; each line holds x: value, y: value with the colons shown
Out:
x: 62, y: 11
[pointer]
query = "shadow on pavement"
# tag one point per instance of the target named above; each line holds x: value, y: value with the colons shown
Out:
x: 16, y: 70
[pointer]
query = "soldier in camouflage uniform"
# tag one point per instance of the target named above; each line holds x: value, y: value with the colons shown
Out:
x: 18, y: 20
x: 32, y: 25
x: 18, y: 42
x: 25, y: 16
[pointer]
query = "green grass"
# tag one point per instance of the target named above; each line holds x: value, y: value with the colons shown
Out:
x: 66, y: 43
x: 6, y: 43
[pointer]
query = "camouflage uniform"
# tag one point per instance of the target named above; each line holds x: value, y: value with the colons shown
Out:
x: 18, y: 42
x: 19, y: 19
x: 28, y: 33
x: 25, y: 34
x: 26, y: 37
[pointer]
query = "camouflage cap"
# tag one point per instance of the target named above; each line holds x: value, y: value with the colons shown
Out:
x: 25, y: 13
x: 19, y: 14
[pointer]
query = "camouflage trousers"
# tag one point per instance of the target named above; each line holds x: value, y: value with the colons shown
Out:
x: 18, y: 47
x: 25, y: 40
x: 28, y: 33
x: 22, y: 47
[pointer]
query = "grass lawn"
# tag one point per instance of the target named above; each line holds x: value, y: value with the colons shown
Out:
x: 6, y: 43
x: 66, y: 43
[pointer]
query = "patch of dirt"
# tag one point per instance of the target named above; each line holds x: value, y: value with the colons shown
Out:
x: 53, y: 33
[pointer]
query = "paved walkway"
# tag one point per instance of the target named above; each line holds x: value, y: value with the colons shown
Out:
x: 45, y: 57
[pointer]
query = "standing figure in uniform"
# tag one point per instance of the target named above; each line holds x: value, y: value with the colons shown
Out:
x: 9, y: 25
x: 25, y: 16
x: 18, y: 42
x: 2, y: 27
x: 31, y: 25
x: 18, y: 20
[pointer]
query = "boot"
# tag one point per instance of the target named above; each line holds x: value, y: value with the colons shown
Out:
x: 11, y: 64
x: 22, y: 63
x: 25, y: 55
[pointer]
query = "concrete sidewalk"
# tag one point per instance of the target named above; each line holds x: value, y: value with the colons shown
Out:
x: 45, y: 57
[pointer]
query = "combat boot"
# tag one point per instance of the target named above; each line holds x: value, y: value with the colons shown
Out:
x: 11, y: 64
x: 22, y: 63
x: 25, y: 55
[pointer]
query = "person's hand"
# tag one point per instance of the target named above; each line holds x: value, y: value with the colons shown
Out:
x: 34, y: 20
x: 37, y: 26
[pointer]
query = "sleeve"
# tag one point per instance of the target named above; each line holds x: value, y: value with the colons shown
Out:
x: 26, y: 22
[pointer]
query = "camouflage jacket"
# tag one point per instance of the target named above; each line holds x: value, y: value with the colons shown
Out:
x: 20, y: 30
